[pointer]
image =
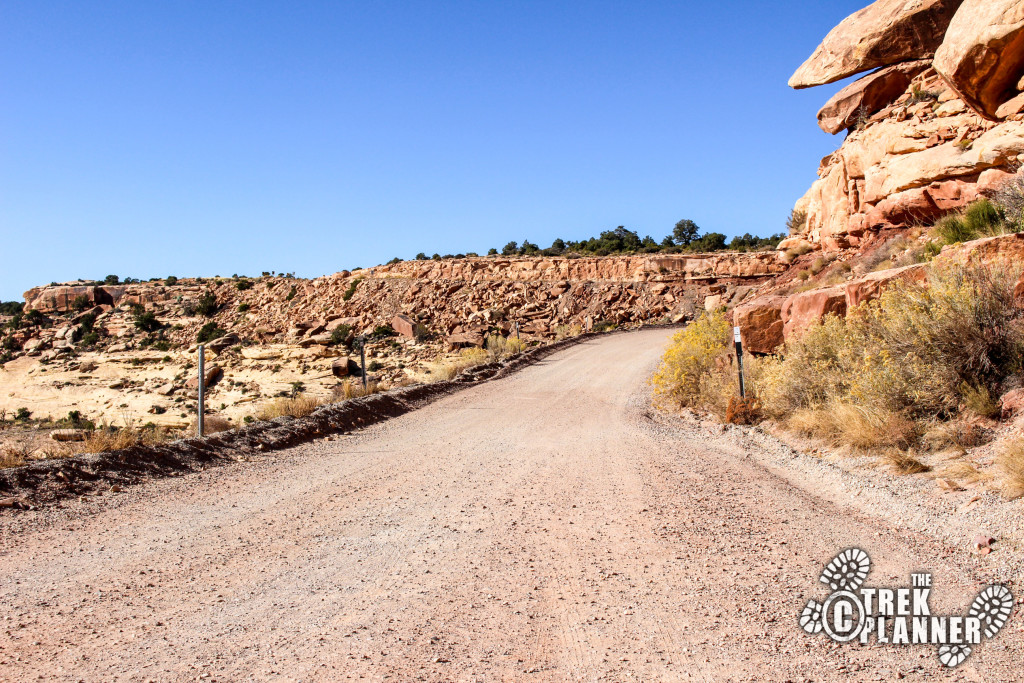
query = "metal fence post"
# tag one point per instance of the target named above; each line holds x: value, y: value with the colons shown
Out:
x: 362, y: 359
x: 202, y: 388
x: 739, y: 358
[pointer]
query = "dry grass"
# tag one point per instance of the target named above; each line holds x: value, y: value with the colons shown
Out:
x: 961, y: 434
x: 499, y: 348
x: 300, y: 406
x: 14, y: 456
x: 961, y: 470
x: 353, y: 388
x: 819, y: 265
x: 107, y: 439
x: 496, y: 349
x: 858, y: 426
x: 212, y: 424
x: 790, y: 255
x: 903, y: 462
x: 979, y: 401
x: 567, y: 331
x: 468, y: 358
x: 1010, y: 461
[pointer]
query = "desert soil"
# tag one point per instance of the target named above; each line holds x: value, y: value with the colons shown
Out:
x: 542, y: 527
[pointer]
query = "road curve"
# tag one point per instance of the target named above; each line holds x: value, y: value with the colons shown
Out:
x: 542, y: 527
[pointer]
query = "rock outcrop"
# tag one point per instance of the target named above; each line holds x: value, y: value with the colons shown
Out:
x: 868, y: 94
x: 883, y: 33
x: 982, y: 53
x: 924, y: 138
x: 768, y: 321
x: 760, y: 323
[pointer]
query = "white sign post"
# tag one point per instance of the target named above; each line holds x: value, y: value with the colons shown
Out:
x: 739, y: 358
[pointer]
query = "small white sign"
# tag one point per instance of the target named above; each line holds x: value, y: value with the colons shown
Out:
x: 736, y: 334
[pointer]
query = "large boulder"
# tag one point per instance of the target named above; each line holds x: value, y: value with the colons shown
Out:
x: 340, y: 367
x: 404, y: 325
x: 802, y: 310
x: 982, y: 54
x: 760, y: 323
x: 465, y: 339
x: 212, y: 375
x: 884, y: 33
x: 868, y: 95
x: 870, y: 286
x: 222, y: 344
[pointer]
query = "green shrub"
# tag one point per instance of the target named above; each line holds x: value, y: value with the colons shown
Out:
x: 981, y: 219
x: 385, y: 330
x: 291, y: 293
x: 340, y: 335
x: 348, y: 294
x: 85, y: 329
x: 207, y: 305
x: 146, y: 321
x: 170, y: 280
x: 243, y: 285
x: 22, y: 414
x: 80, y: 303
x: 209, y: 331
x: 35, y: 318
x: 243, y: 307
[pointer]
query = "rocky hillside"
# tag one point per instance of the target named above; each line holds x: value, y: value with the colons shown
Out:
x: 120, y: 352
x: 937, y: 123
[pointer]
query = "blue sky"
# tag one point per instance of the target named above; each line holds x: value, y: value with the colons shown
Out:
x: 209, y: 138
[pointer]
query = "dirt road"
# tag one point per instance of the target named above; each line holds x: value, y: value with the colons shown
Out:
x: 543, y: 527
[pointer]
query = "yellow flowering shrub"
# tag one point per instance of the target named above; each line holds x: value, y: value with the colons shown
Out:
x: 916, y: 351
x: 693, y: 370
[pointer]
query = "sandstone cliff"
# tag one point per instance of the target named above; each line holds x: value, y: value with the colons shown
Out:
x: 938, y: 124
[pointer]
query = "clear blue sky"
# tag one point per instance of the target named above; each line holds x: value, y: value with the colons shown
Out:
x: 208, y: 138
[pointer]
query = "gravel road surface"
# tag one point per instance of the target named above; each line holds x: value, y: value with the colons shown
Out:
x: 542, y: 527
